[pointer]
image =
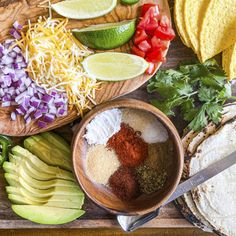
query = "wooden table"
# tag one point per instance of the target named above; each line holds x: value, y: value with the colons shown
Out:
x: 95, y: 217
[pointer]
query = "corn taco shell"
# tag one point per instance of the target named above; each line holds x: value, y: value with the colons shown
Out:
x: 229, y: 61
x: 179, y: 21
x: 218, y: 30
x: 193, y: 16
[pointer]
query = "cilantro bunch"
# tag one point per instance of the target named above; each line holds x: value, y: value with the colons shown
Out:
x: 199, y: 90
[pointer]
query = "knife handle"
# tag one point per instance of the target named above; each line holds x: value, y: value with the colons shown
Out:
x: 144, y: 219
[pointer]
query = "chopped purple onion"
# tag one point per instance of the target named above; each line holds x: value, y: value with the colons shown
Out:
x: 13, y: 116
x: 17, y: 26
x: 15, y: 34
x: 6, y: 104
x: 16, y: 88
x: 49, y: 118
x: 42, y: 124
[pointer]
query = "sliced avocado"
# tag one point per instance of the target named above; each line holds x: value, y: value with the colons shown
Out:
x: 12, y: 180
x: 22, y: 197
x: 57, y: 140
x: 13, y: 168
x: 19, y: 199
x: 47, y: 215
x: 21, y: 155
x: 48, y: 153
x: 65, y: 190
x: 78, y: 199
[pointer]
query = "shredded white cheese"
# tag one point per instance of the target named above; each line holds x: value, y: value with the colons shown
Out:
x: 54, y: 59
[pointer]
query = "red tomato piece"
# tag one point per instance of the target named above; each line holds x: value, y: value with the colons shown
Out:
x: 165, y: 33
x: 151, y: 13
x: 137, y: 52
x: 145, y: 8
x: 155, y: 56
x: 144, y: 46
x: 140, y: 36
x: 158, y: 43
x: 151, y: 69
x: 165, y: 21
x: 152, y: 25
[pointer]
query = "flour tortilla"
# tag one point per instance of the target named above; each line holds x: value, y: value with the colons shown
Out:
x: 218, y: 30
x: 193, y: 16
x: 229, y: 61
x: 193, y: 139
x: 179, y: 22
x: 216, y: 199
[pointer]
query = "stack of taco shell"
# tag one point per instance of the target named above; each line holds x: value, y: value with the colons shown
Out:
x: 209, y: 28
x: 212, y: 205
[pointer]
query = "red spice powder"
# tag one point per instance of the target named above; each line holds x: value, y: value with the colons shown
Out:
x: 129, y: 146
x: 123, y: 183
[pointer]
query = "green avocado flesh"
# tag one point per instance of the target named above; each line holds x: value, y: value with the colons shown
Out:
x: 56, y: 140
x: 41, y: 184
x: 23, y: 155
x: 48, y: 153
x: 47, y: 215
x: 12, y: 180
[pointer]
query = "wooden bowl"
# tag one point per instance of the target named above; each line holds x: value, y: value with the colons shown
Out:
x: 101, y: 194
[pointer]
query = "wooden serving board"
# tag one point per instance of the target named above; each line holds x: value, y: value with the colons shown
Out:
x: 22, y: 11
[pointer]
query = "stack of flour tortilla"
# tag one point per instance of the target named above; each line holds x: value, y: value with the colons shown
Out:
x: 212, y: 205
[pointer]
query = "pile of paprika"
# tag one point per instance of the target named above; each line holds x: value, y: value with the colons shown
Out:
x: 129, y: 146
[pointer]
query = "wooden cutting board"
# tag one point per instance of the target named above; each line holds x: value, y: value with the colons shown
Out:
x: 22, y: 11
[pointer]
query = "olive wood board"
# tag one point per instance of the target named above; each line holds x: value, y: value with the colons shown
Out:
x: 95, y: 217
x: 22, y: 10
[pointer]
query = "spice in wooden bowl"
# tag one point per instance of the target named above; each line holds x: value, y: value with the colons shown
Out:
x: 127, y: 151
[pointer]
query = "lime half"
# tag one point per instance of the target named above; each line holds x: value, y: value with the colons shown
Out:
x: 114, y: 66
x: 84, y: 9
x: 106, y: 36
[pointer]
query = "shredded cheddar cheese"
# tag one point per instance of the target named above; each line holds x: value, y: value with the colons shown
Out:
x: 54, y: 59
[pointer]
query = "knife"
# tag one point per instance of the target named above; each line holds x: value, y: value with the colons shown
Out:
x: 130, y: 223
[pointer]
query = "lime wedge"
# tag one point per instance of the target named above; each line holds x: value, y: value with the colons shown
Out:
x: 106, y: 36
x: 129, y: 2
x: 114, y: 66
x: 84, y: 9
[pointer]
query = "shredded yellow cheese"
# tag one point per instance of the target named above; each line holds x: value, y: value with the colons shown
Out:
x: 54, y: 59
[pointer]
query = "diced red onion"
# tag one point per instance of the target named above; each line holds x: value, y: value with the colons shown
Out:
x: 42, y: 124
x: 38, y: 114
x: 16, y: 88
x: 15, y: 34
x: 49, y: 118
x: 17, y: 26
x: 6, y: 104
x: 13, y: 116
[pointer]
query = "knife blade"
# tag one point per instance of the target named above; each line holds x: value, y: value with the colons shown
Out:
x: 130, y: 223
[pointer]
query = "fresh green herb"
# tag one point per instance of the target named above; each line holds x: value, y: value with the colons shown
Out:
x: 199, y: 90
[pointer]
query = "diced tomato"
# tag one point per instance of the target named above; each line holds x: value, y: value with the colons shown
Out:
x: 143, y: 22
x: 140, y: 36
x: 137, y: 51
x: 151, y: 69
x: 165, y: 33
x: 152, y: 26
x: 145, y: 8
x: 144, y: 46
x: 155, y: 56
x: 165, y: 21
x: 152, y: 12
x: 158, y: 43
